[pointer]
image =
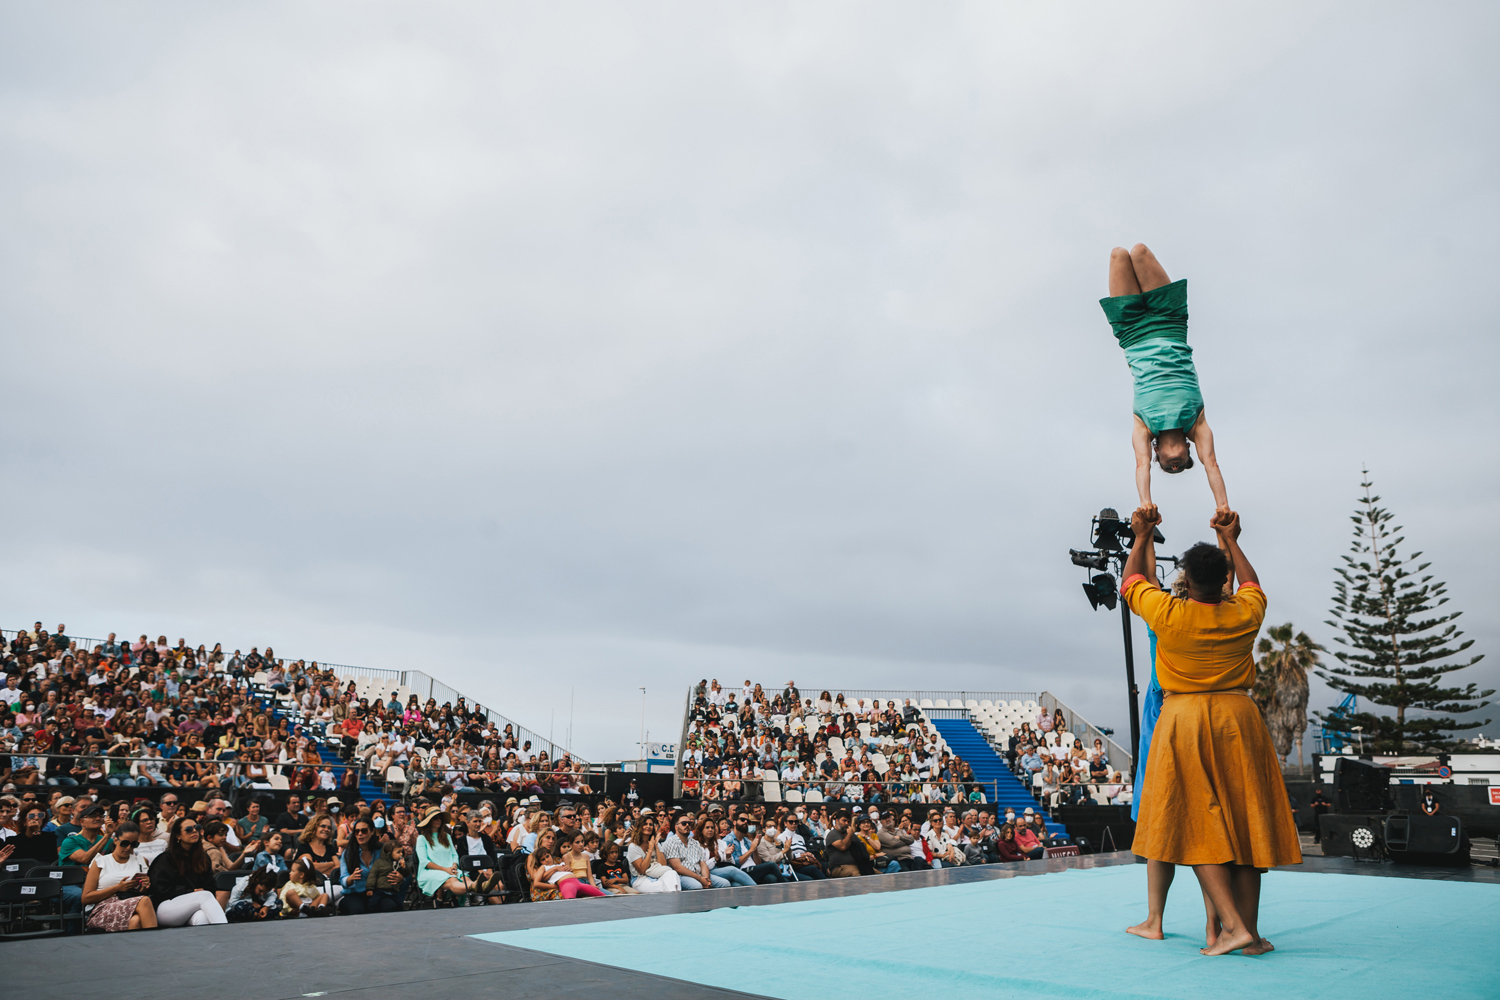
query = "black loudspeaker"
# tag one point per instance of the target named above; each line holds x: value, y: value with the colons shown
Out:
x: 1419, y: 839
x: 1353, y: 836
x: 1359, y: 786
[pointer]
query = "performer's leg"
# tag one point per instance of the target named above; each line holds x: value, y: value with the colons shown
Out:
x: 1211, y: 916
x: 1246, y: 882
x: 1122, y: 279
x: 1215, y: 880
x: 1148, y: 270
x: 1158, y: 880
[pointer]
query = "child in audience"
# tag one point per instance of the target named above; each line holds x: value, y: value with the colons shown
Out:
x: 301, y: 897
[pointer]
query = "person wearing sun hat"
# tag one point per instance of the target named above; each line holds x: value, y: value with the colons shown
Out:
x: 437, y: 859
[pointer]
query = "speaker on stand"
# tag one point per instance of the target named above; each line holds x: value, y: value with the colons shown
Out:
x: 1419, y: 839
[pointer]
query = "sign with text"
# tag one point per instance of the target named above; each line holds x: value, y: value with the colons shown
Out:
x: 1495, y: 795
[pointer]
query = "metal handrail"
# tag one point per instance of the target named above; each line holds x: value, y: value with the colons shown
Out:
x: 1090, y: 732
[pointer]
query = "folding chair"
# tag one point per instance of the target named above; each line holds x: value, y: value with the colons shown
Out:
x: 29, y: 907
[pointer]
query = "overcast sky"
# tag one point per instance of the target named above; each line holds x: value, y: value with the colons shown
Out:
x: 560, y: 351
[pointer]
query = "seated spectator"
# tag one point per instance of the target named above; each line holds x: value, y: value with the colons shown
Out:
x: 153, y: 837
x: 793, y: 838
x: 688, y: 858
x: 472, y: 840
x: 1006, y: 847
x: 740, y: 846
x: 91, y: 840
x: 706, y: 835
x: 1027, y: 841
x: 437, y: 860
x: 944, y: 839
x: 299, y: 897
x: 216, y: 843
x: 182, y: 879
x: 1031, y: 761
x: 846, y: 854
x: 114, y: 889
x: 319, y: 852
x: 273, y: 857
x: 612, y: 873
x: 1051, y: 786
x: 652, y: 874
x: 60, y: 825
x: 33, y: 842
x: 865, y: 831
x: 254, y: 898
x: 580, y: 866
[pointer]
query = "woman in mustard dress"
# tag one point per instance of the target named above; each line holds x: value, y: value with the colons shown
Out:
x: 1216, y: 799
x: 1148, y: 313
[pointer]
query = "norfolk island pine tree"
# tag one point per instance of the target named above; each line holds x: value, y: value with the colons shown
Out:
x: 1396, y: 645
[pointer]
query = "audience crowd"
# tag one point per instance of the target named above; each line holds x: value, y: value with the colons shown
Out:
x: 196, y: 787
x: 169, y: 864
x: 827, y: 748
x: 1060, y: 769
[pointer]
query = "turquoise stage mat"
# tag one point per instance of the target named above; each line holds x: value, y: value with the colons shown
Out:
x: 1063, y: 936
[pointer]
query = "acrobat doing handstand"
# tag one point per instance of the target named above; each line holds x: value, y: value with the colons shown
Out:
x: 1148, y: 312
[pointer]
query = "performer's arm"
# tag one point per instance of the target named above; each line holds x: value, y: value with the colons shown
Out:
x: 1229, y: 584
x: 1203, y: 440
x: 1141, y: 439
x: 1227, y: 524
x: 1142, y: 523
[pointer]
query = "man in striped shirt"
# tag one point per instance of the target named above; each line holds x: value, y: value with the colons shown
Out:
x: 689, y: 858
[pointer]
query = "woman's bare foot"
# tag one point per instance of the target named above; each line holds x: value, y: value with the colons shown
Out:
x: 1230, y: 942
x: 1147, y: 929
x: 1211, y: 931
x: 1260, y: 948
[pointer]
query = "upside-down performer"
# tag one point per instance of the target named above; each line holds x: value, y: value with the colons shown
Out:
x: 1148, y: 312
x: 1215, y: 799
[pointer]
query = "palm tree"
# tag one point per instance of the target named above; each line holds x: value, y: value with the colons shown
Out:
x: 1281, y: 685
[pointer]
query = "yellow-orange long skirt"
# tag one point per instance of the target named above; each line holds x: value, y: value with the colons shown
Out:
x: 1213, y: 792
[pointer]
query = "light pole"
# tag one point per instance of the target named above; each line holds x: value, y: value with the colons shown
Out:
x: 1112, y: 538
x: 1359, y: 734
x: 643, y: 724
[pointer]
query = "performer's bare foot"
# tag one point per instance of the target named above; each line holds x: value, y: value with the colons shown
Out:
x: 1261, y: 948
x: 1211, y: 932
x: 1230, y: 942
x: 1147, y: 928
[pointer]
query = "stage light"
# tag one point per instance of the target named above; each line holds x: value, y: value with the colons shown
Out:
x: 1101, y: 590
x: 1089, y: 560
x: 1107, y: 531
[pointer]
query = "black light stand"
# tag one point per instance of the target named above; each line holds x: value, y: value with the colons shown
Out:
x: 1112, y: 539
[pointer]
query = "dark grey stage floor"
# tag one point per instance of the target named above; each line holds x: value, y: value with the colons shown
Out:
x: 429, y: 955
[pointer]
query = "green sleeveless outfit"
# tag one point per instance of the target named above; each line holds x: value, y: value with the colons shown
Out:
x: 1152, y: 327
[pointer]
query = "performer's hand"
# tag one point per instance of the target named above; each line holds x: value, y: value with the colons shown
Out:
x: 1144, y: 520
x: 1226, y: 522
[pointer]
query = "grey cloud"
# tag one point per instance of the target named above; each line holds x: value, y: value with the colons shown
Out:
x: 552, y: 350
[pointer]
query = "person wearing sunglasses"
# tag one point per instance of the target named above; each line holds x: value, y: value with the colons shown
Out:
x: 114, y: 889
x: 182, y: 879
x: 355, y: 864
